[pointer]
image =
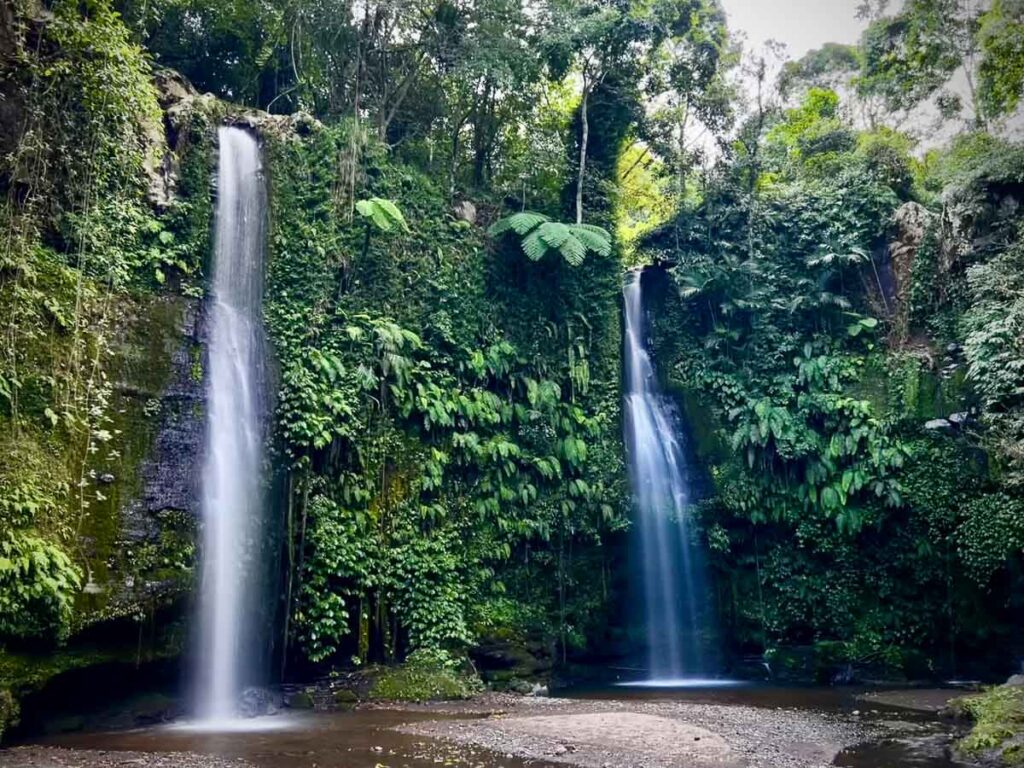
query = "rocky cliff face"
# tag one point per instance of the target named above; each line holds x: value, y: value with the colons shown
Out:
x: 157, y: 520
x: 125, y: 489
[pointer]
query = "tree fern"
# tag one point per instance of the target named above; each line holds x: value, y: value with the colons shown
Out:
x: 539, y: 235
x: 520, y: 223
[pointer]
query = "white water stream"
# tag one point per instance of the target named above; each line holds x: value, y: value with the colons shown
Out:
x: 675, y: 592
x: 231, y: 476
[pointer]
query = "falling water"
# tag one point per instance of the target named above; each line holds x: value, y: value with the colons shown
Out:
x: 231, y: 484
x: 675, y: 598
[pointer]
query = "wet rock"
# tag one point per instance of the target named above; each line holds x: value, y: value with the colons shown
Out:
x: 300, y: 700
x: 519, y: 686
x: 911, y: 222
x: 345, y: 699
x: 258, y: 702
x: 843, y: 676
x: 465, y: 211
x: 503, y: 663
x: 172, y: 87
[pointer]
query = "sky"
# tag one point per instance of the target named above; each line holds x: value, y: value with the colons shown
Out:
x: 801, y: 24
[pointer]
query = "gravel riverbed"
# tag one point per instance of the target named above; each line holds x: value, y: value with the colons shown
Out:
x: 57, y: 757
x: 507, y: 731
x: 656, y: 734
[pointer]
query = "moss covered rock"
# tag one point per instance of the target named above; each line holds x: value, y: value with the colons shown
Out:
x: 998, y: 732
x: 300, y: 700
x: 344, y: 699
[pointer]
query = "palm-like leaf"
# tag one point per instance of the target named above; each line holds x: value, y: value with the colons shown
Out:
x: 383, y: 213
x: 540, y: 235
x: 594, y: 238
x: 520, y: 223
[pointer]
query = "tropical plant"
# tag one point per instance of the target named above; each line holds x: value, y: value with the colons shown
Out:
x: 540, y: 234
x: 381, y: 214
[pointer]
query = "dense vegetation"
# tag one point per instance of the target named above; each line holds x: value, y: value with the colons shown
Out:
x: 453, y: 201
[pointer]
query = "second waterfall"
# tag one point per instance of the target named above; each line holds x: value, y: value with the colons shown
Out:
x: 675, y: 592
x: 232, y: 503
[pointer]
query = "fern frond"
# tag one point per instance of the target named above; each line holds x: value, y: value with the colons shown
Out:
x: 520, y: 223
x: 573, y: 251
x: 593, y: 238
x: 533, y: 246
x: 554, y: 233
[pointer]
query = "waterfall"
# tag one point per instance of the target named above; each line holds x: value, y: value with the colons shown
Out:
x: 231, y: 477
x: 675, y: 599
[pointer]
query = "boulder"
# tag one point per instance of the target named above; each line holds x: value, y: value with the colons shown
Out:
x: 258, y: 702
x: 465, y: 211
x: 300, y: 700
x: 344, y: 699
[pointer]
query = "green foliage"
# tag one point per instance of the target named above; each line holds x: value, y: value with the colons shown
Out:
x: 993, y: 332
x: 383, y: 214
x: 813, y: 133
x: 423, y: 461
x: 540, y: 235
x: 37, y: 586
x: 991, y: 534
x: 447, y: 416
x: 826, y: 67
x: 833, y: 522
x: 909, y: 56
x: 84, y: 245
x: 1001, y: 73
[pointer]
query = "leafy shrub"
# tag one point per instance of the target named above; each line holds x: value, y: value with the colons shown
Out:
x: 37, y: 586
x: 426, y: 674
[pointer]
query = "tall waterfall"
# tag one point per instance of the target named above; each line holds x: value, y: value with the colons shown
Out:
x: 674, y: 588
x: 231, y: 477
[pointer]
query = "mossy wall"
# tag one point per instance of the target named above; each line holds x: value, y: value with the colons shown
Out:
x: 100, y: 391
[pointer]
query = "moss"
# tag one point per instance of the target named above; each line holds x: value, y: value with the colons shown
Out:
x: 345, y: 696
x: 301, y: 700
x: 416, y: 683
x: 703, y: 428
x: 23, y: 673
x: 345, y: 699
x: 143, y: 355
x: 998, y: 730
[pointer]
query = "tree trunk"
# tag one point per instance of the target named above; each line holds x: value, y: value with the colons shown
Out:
x: 453, y: 171
x: 583, y: 155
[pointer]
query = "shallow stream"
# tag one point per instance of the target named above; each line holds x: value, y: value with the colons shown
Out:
x: 367, y: 739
